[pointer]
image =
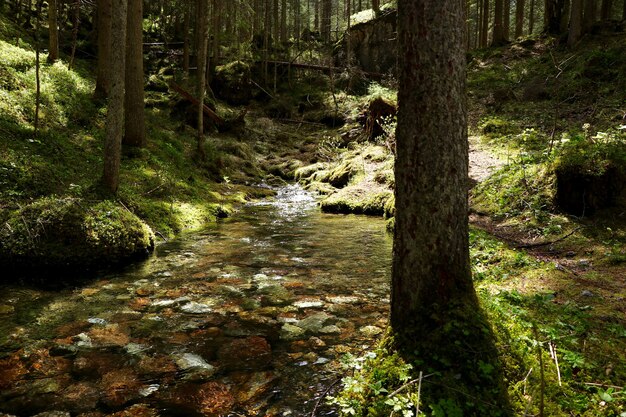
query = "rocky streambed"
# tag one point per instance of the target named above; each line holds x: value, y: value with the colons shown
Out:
x: 250, y: 317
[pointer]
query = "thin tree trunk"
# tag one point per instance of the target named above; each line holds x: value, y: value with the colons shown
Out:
x: 283, y: 22
x: 531, y: 18
x: 507, y: 19
x: 37, y: 69
x: 201, y: 42
x: 53, y: 31
x: 575, y: 26
x: 485, y: 24
x: 135, y: 123
x: 519, y: 18
x: 75, y: 24
x: 186, y: 24
x: 103, y: 78
x: 115, y: 112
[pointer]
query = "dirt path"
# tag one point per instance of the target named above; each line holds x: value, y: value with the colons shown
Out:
x: 482, y: 163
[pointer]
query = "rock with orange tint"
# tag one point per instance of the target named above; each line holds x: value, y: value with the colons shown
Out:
x: 214, y: 399
x: 138, y: 304
x: 94, y: 364
x: 252, y: 386
x: 211, y: 399
x: 157, y: 366
x: 11, y: 370
x: 109, y: 335
x: 250, y: 353
x: 80, y: 397
x: 137, y: 410
x: 119, y: 387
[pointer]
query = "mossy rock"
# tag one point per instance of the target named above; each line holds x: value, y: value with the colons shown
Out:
x: 68, y: 232
x: 341, y: 175
x: 357, y: 200
x: 306, y: 172
x: 232, y: 82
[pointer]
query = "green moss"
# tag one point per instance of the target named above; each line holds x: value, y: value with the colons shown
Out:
x: 68, y: 231
x: 358, y: 200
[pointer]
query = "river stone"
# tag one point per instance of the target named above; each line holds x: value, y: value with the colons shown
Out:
x: 275, y: 295
x: 370, y: 331
x: 196, y: 308
x: 302, y: 304
x: 314, y: 323
x: 290, y: 332
x: 53, y: 414
x: 344, y: 299
x: 250, y: 353
x: 194, y: 366
x: 255, y: 385
x: 332, y: 329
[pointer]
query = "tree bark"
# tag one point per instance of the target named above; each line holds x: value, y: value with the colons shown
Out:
x: 485, y: 24
x: 519, y: 18
x: 507, y: 19
x: 531, y: 18
x: 605, y: 9
x: 103, y: 78
x: 553, y: 16
x: 590, y: 14
x: 576, y: 21
x: 202, y: 33
x: 135, y: 119
x: 498, y: 37
x: 326, y: 20
x: 433, y: 301
x: 283, y: 22
x: 115, y: 112
x: 53, y: 31
x: 186, y: 26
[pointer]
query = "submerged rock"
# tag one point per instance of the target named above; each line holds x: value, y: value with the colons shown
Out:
x: 195, y: 367
x: 250, y: 353
x: 291, y: 332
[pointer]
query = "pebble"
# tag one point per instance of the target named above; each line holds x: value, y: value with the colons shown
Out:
x: 586, y: 293
x: 196, y: 308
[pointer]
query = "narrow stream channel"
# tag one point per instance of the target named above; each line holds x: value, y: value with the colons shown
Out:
x: 247, y: 318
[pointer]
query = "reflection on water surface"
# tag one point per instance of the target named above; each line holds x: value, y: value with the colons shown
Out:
x: 249, y: 317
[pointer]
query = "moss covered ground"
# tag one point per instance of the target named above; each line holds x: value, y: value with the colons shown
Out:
x: 551, y: 280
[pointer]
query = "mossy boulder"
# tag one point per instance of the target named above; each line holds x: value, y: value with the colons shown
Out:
x: 233, y: 83
x: 69, y: 232
x: 358, y: 200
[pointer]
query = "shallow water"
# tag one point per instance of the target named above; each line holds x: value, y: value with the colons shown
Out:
x: 247, y: 318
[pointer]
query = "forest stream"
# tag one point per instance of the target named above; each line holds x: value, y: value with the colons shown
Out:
x: 249, y: 317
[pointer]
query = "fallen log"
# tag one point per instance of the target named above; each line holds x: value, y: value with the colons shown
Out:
x: 206, y: 110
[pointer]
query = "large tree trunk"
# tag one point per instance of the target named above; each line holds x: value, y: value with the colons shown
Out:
x: 115, y: 112
x: 605, y: 9
x: 576, y: 22
x: 53, y: 31
x: 553, y: 16
x: 435, y: 316
x: 103, y: 78
x: 519, y: 18
x: 436, y: 321
x: 135, y: 119
x: 499, y: 37
x: 590, y: 14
